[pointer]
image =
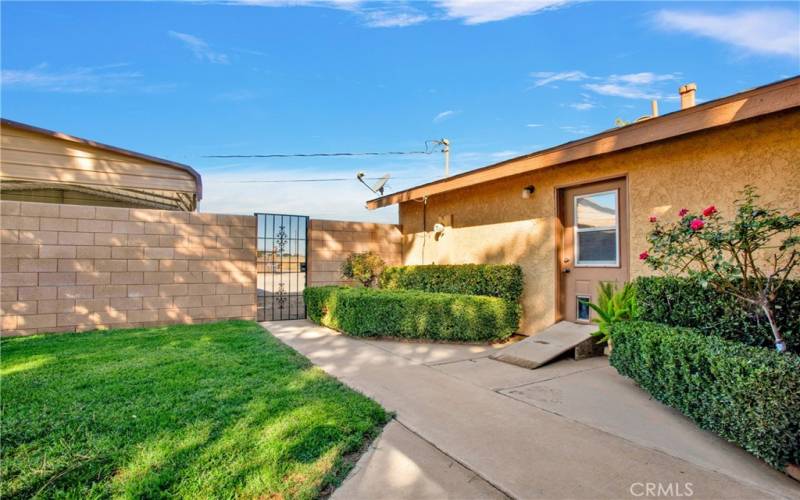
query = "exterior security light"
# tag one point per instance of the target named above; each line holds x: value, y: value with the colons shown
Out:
x: 527, y: 192
x: 438, y: 228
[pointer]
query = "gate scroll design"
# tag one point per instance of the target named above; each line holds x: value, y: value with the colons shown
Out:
x: 281, y: 266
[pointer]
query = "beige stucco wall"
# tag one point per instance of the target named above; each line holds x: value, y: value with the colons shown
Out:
x: 74, y: 268
x: 492, y: 223
x: 332, y: 241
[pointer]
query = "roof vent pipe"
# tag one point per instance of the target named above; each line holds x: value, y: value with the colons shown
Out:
x: 653, y: 108
x: 687, y: 93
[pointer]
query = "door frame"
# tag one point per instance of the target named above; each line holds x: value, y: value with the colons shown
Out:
x: 558, y: 202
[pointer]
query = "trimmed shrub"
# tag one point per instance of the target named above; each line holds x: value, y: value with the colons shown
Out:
x: 748, y: 395
x: 504, y: 281
x: 365, y: 312
x: 685, y: 302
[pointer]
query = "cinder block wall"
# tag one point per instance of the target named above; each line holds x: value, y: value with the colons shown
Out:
x: 74, y: 268
x: 332, y: 241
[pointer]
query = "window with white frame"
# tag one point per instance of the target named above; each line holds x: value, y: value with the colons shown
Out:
x: 597, y: 229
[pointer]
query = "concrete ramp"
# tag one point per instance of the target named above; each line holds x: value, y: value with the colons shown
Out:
x: 549, y: 344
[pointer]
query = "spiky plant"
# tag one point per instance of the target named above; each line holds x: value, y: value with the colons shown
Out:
x: 613, y: 306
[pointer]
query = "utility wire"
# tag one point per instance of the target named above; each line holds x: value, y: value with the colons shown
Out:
x: 428, y: 150
x: 332, y: 179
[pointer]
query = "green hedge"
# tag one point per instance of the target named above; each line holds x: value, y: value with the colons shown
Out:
x: 684, y: 302
x: 748, y: 395
x: 366, y: 312
x: 504, y: 281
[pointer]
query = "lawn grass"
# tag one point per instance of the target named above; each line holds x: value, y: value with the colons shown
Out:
x: 217, y: 410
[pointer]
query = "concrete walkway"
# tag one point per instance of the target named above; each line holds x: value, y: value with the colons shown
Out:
x: 400, y: 464
x: 566, y: 430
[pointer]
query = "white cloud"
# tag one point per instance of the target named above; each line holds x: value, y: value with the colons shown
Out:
x: 576, y: 129
x: 534, y: 125
x: 444, y: 115
x: 485, y: 11
x: 374, y: 14
x: 96, y: 79
x: 399, y: 13
x: 338, y: 4
x: 581, y: 106
x: 626, y: 91
x: 393, y: 18
x: 547, y: 77
x: 644, y: 78
x: 200, y: 48
x: 502, y: 155
x: 643, y: 85
x: 760, y: 31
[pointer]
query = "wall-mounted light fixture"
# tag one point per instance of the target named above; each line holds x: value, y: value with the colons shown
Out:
x: 527, y: 192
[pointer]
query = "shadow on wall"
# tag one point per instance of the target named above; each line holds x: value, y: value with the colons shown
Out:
x: 528, y: 243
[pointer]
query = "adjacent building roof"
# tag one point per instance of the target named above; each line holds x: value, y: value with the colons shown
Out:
x: 112, y: 149
x: 772, y: 98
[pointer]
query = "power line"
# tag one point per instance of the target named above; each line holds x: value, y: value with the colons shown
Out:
x: 304, y: 155
x: 428, y: 150
x: 332, y: 179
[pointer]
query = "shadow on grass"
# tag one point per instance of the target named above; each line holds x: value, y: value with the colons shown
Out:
x: 221, y: 410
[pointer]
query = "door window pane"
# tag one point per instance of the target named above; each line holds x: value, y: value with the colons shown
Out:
x: 596, y: 231
x: 597, y: 246
x: 597, y: 210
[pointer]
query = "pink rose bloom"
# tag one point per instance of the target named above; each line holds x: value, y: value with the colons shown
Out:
x: 697, y: 224
x: 653, y: 218
x: 683, y: 212
x: 709, y: 211
x: 644, y: 255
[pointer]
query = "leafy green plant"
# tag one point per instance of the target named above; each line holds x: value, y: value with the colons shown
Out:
x: 495, y: 280
x: 613, y: 306
x: 750, y: 257
x: 363, y: 267
x: 684, y: 301
x: 366, y: 312
x: 747, y: 395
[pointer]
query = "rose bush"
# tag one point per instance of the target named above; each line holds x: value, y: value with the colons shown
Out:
x: 749, y: 257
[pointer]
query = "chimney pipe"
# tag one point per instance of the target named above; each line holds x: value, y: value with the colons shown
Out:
x: 653, y: 108
x: 687, y: 95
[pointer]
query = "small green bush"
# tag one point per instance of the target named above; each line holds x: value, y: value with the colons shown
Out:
x: 363, y: 267
x: 685, y: 302
x: 504, y: 281
x: 365, y: 312
x: 748, y: 395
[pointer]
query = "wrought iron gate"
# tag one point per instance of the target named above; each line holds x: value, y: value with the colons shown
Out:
x: 281, y: 266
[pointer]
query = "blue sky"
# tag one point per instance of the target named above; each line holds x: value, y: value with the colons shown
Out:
x: 183, y: 80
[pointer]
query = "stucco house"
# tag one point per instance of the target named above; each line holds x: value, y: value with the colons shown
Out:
x: 578, y: 213
x: 53, y: 167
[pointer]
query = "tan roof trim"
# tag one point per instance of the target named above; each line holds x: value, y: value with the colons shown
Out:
x: 133, y: 154
x: 760, y: 101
